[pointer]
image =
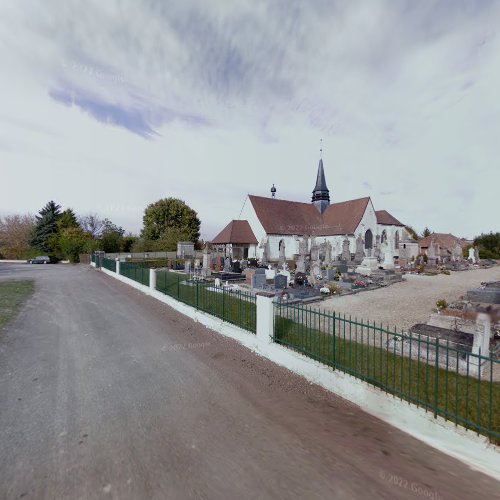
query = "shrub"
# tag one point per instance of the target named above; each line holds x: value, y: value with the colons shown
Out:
x: 441, y: 304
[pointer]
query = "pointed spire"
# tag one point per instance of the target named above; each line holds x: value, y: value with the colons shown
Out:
x: 321, y: 193
x: 321, y: 181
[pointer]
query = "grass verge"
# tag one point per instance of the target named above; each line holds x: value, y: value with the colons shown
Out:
x: 12, y: 296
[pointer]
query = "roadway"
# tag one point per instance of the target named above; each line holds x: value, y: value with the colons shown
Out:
x: 107, y: 393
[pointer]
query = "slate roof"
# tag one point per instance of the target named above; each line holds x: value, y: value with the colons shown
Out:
x: 296, y: 218
x: 321, y: 191
x: 442, y: 239
x: 236, y: 232
x: 385, y: 218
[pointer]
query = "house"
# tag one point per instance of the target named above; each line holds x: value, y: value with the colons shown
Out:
x: 446, y: 246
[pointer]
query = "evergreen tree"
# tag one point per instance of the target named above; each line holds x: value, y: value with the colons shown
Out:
x: 67, y: 220
x: 46, y: 226
x: 426, y: 232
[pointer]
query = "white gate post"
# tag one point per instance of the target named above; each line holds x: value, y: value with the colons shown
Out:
x: 265, y: 317
x: 152, y: 278
x: 481, y: 340
x: 117, y: 267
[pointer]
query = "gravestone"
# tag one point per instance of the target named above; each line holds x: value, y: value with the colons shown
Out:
x: 360, y: 252
x: 342, y: 268
x: 432, y: 254
x: 259, y: 281
x: 346, y: 251
x: 207, y: 258
x: 218, y: 261
x: 282, y: 258
x: 236, y: 268
x: 280, y: 281
x: 249, y: 275
x: 315, y: 272
x: 489, y: 294
x: 314, y: 251
x: 227, y: 265
x: 331, y: 274
x: 265, y: 252
x: 260, y: 270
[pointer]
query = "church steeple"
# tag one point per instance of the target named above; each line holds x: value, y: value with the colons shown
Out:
x: 321, y: 194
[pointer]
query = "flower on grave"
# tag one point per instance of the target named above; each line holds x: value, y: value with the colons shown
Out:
x: 360, y: 284
x: 324, y: 290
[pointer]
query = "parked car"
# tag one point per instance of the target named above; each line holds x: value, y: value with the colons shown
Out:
x: 41, y: 259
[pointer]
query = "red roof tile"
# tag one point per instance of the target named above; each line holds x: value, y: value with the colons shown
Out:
x: 442, y: 239
x: 292, y: 217
x: 236, y: 232
x: 384, y: 217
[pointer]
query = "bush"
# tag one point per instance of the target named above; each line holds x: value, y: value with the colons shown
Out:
x: 441, y: 304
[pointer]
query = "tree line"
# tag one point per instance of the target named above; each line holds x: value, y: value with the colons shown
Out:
x: 62, y: 234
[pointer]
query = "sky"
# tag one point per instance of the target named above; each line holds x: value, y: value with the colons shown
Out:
x: 106, y: 107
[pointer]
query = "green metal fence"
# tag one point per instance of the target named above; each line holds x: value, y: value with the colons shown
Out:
x: 134, y: 272
x: 109, y: 264
x: 236, y: 307
x: 439, y: 376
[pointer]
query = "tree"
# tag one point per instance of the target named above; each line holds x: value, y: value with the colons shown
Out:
x: 72, y: 241
x: 111, y: 237
x: 67, y: 220
x: 170, y: 218
x: 15, y: 234
x: 92, y: 224
x: 46, y: 226
x: 488, y: 245
x: 426, y: 232
x: 127, y: 243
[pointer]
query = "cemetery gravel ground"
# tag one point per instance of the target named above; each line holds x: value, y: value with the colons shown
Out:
x: 108, y: 393
x: 412, y: 301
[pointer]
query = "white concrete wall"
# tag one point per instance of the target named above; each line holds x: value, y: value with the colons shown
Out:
x: 443, y: 435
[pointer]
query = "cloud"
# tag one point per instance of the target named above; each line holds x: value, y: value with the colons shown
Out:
x: 236, y: 95
x: 141, y: 118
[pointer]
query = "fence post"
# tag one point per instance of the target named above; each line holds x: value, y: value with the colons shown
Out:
x: 117, y: 270
x: 152, y: 278
x: 265, y: 317
x: 481, y: 343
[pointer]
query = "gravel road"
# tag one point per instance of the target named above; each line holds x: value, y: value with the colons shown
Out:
x: 412, y: 301
x: 107, y: 393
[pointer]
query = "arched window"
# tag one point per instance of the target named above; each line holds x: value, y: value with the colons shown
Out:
x: 396, y: 240
x: 383, y: 237
x: 368, y: 239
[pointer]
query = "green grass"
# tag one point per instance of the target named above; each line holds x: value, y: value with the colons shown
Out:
x: 12, y: 296
x: 459, y: 398
x: 236, y: 308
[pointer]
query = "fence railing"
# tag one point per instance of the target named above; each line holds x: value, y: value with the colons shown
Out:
x: 234, y: 306
x: 431, y: 373
x: 136, y: 273
x: 108, y: 264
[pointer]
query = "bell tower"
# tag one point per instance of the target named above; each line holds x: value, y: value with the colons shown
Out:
x: 321, y: 194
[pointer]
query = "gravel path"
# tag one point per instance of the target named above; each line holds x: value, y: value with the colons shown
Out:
x: 412, y: 301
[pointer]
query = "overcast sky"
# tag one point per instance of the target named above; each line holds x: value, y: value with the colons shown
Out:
x: 107, y: 106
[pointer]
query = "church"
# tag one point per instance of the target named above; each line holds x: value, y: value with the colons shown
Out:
x: 272, y: 230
